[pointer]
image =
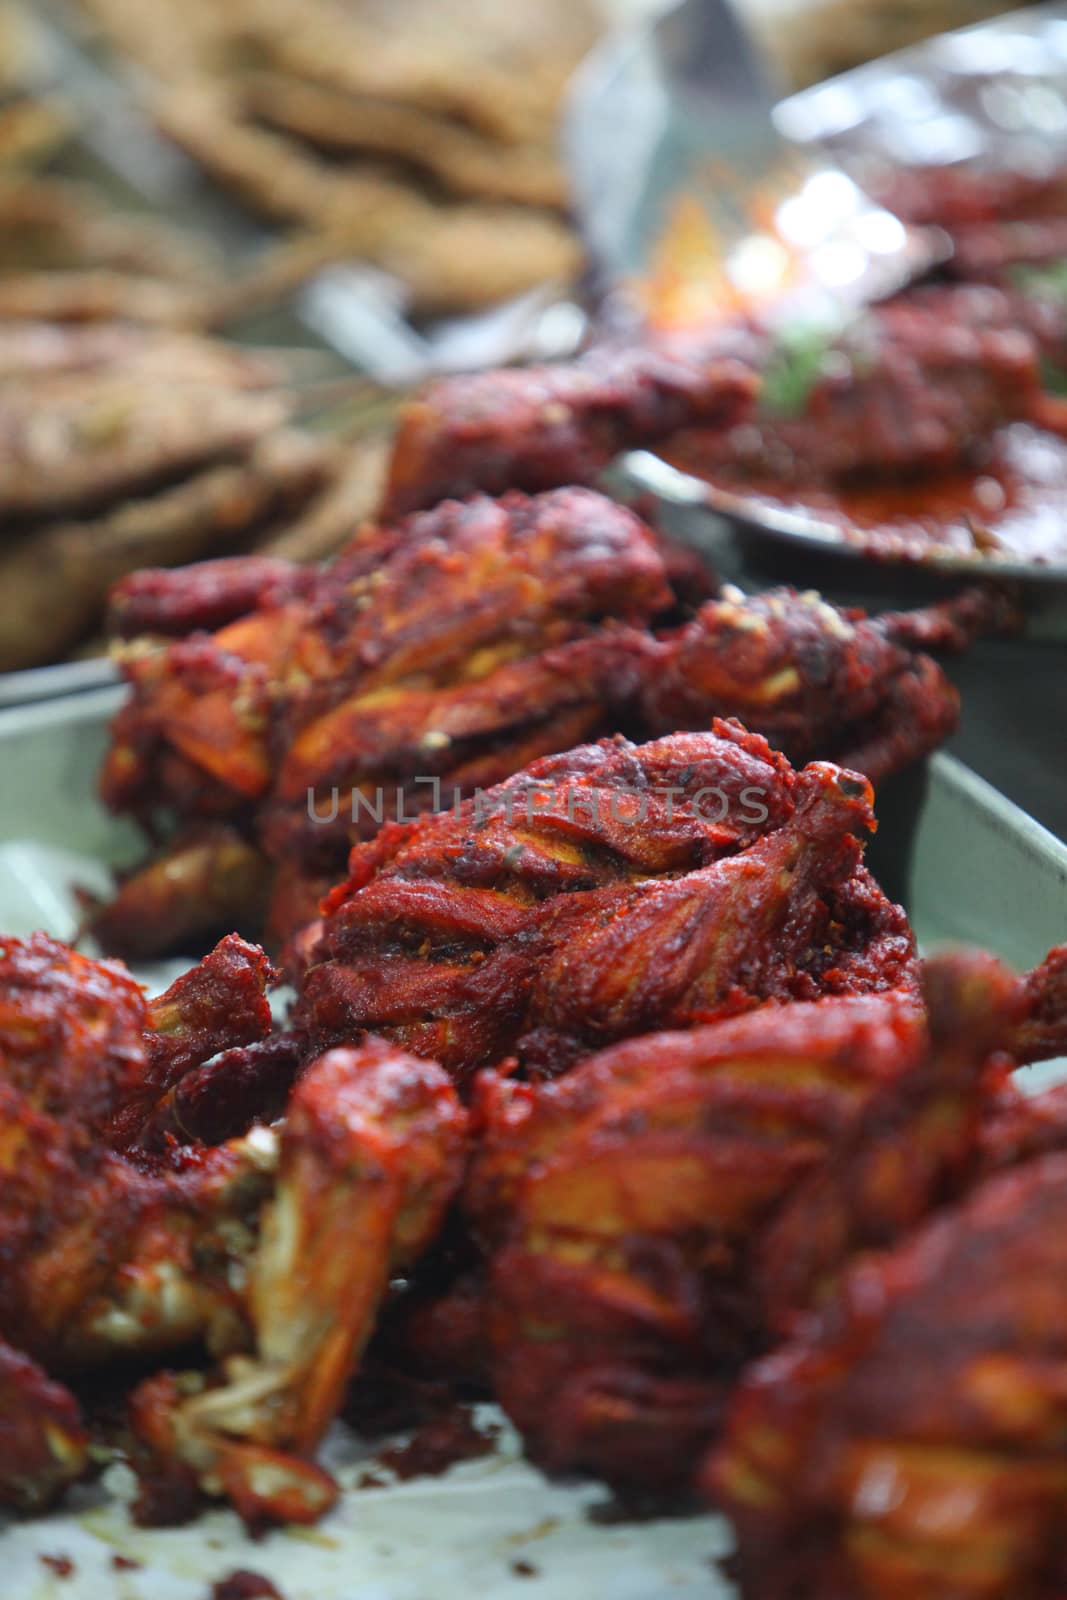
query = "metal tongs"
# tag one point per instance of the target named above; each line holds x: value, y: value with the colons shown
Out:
x: 683, y: 186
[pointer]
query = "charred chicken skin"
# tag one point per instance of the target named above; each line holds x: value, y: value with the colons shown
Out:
x: 470, y: 649
x: 272, y: 1249
x: 543, y: 427
x: 638, y: 1212
x: 606, y: 892
x: 635, y: 1213
x: 442, y: 656
x: 908, y: 1440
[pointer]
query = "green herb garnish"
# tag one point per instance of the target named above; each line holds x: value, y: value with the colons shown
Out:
x: 795, y: 365
x: 1048, y: 279
x: 1053, y: 379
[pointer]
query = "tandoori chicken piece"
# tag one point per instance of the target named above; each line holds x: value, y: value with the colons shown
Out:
x: 619, y: 1205
x: 443, y: 654
x: 204, y: 596
x: 632, y: 1208
x: 219, y: 1004
x: 272, y: 1249
x: 541, y: 427
x: 915, y: 1146
x: 610, y: 891
x: 387, y: 680
x: 207, y: 876
x: 814, y: 679
x: 370, y: 1155
x: 222, y: 1098
x: 909, y: 1442
x: 911, y: 387
x: 468, y: 590
x: 84, y: 1057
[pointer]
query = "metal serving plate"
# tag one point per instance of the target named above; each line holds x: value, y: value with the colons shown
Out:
x: 994, y: 94
x: 969, y: 865
x: 798, y: 525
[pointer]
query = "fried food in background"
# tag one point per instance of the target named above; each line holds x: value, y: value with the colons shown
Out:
x: 33, y: 121
x: 123, y: 447
x: 66, y: 255
x: 421, y: 142
x: 815, y: 41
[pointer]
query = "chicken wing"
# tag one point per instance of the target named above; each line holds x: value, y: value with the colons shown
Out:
x: 370, y: 1155
x: 272, y: 1249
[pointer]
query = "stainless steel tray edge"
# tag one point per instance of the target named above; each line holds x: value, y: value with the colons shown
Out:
x: 970, y: 865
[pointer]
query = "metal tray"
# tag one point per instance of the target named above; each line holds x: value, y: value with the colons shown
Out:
x: 45, y: 683
x: 969, y: 865
x: 994, y: 94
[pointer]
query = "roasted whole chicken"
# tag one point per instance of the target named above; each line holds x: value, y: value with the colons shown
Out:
x: 442, y: 655
x: 272, y: 1249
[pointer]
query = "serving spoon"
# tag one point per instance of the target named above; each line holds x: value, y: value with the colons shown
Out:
x: 690, y: 200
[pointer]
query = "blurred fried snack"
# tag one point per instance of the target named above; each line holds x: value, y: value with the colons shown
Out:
x: 419, y: 140
x: 351, y: 499
x: 54, y: 581
x: 30, y: 128
x: 500, y: 68
x: 125, y: 447
x: 33, y: 121
x: 47, y: 349
x: 67, y: 256
x: 53, y: 223
x: 83, y: 439
x: 169, y: 41
x: 462, y: 159
x: 451, y: 256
